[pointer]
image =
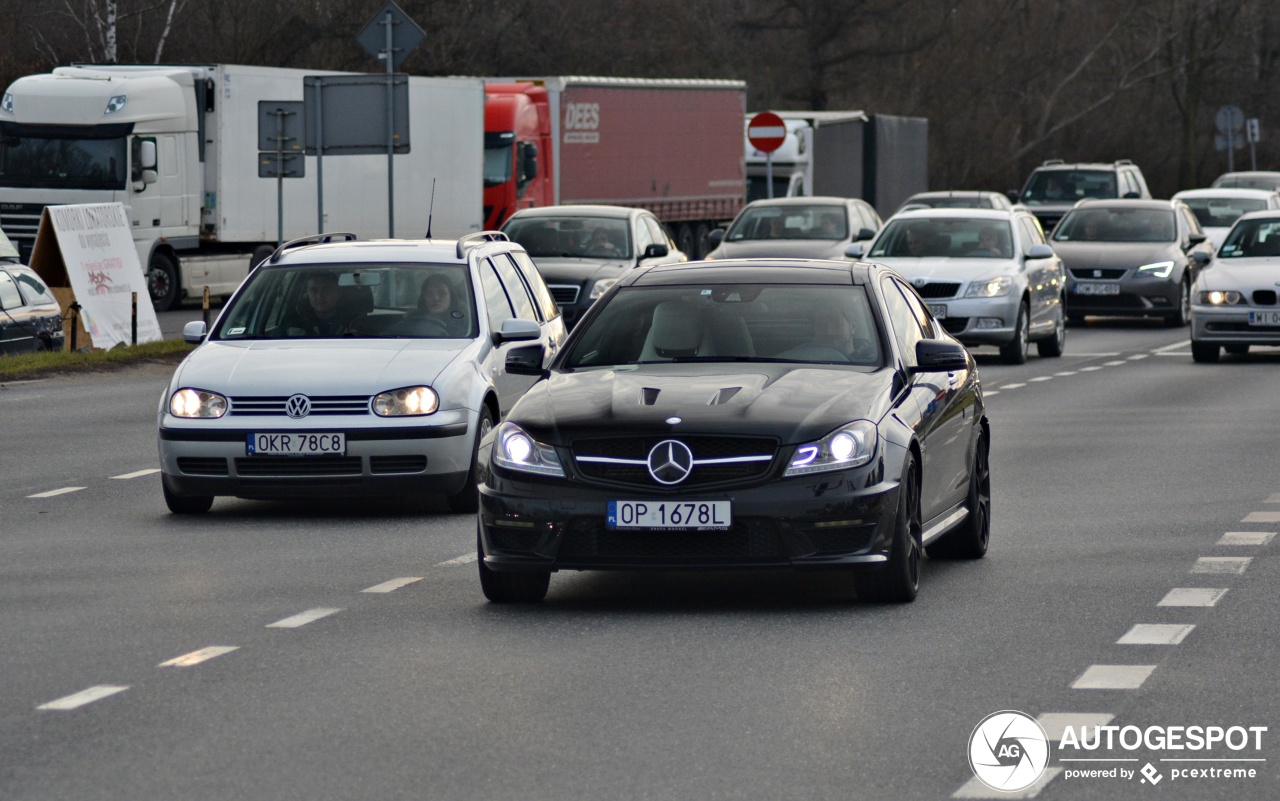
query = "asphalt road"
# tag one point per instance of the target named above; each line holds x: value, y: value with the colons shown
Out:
x: 1121, y: 473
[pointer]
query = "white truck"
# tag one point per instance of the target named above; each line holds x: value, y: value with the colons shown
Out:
x: 879, y: 158
x: 178, y: 146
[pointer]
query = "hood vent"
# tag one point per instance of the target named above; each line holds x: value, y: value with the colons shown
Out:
x: 723, y: 396
x: 648, y: 396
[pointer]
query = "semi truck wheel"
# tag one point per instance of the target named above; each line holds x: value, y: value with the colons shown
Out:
x: 685, y: 240
x: 162, y: 281
x: 702, y: 240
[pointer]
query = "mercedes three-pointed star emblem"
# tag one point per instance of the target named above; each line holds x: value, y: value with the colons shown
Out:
x: 670, y: 462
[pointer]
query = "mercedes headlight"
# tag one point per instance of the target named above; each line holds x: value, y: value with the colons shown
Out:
x: 1218, y: 297
x: 1160, y: 269
x: 193, y: 403
x: 600, y: 287
x: 514, y: 449
x: 850, y: 446
x: 995, y: 288
x: 406, y: 402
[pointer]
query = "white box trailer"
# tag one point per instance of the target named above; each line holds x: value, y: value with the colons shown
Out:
x: 81, y: 134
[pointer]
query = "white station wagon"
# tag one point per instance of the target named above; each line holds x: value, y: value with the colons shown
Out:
x: 345, y: 368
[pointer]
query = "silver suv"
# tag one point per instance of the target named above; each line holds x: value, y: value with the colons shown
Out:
x: 1055, y: 186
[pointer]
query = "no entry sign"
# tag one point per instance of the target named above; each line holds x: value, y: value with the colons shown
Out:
x: 766, y: 132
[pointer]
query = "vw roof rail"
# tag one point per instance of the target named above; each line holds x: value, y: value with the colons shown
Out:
x: 479, y: 238
x: 1123, y: 161
x: 314, y: 239
x: 1047, y: 162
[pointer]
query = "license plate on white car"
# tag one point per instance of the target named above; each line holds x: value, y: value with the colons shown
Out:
x: 1267, y: 318
x: 1089, y: 288
x: 670, y: 515
x: 938, y: 310
x: 309, y: 443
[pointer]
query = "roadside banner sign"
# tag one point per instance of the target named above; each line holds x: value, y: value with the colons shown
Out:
x: 766, y: 132
x: 89, y: 248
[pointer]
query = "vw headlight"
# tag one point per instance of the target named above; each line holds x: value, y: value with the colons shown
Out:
x: 193, y: 403
x: 1218, y: 297
x: 995, y: 288
x: 600, y: 287
x: 514, y: 449
x: 1160, y: 269
x: 406, y: 402
x: 850, y: 446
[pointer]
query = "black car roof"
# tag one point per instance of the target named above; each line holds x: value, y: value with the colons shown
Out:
x: 759, y: 271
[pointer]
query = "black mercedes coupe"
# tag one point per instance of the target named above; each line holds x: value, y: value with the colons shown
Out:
x: 770, y: 413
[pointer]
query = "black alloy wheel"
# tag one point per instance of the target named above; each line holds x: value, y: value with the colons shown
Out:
x: 468, y: 498
x: 898, y: 580
x: 1056, y: 344
x: 510, y: 588
x: 185, y: 504
x: 1016, y: 351
x: 1182, y: 315
x: 162, y: 281
x: 971, y: 539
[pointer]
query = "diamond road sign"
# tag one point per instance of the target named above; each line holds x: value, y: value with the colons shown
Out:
x: 405, y: 35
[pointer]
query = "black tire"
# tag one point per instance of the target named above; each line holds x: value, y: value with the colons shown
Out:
x: 1075, y: 318
x: 1236, y: 350
x: 701, y: 240
x: 510, y: 588
x: 1204, y: 352
x: 685, y: 240
x: 898, y: 580
x: 1016, y: 351
x: 185, y: 504
x: 971, y: 539
x: 162, y: 281
x: 468, y: 498
x: 1182, y: 315
x: 260, y: 254
x: 1053, y: 347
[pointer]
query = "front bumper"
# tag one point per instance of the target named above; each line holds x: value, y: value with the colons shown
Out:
x: 379, y: 461
x: 1136, y: 297
x: 833, y: 520
x: 1220, y: 325
x: 981, y: 321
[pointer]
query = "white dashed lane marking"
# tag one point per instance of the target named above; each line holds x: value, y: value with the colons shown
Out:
x: 1113, y: 677
x: 1054, y: 724
x: 83, y: 697
x: 302, y: 618
x: 1090, y: 368
x: 1137, y: 357
x: 1156, y: 634
x: 196, y: 657
x: 465, y: 558
x: 393, y: 584
x: 139, y: 473
x: 1246, y: 538
x: 1116, y: 363
x: 1262, y: 517
x: 1275, y: 498
x: 52, y: 493
x: 1221, y: 564
x: 1065, y: 373
x: 1043, y: 378
x: 1012, y: 386
x: 1193, y: 596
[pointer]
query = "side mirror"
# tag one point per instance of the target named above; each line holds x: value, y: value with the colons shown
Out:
x: 1040, y: 252
x: 856, y: 250
x: 864, y: 234
x: 1012, y: 194
x: 715, y: 238
x: 528, y: 161
x: 1195, y: 239
x: 655, y: 251
x: 1131, y: 195
x: 515, y: 330
x: 1201, y: 257
x: 193, y: 333
x: 147, y: 155
x: 526, y: 360
x: 940, y: 356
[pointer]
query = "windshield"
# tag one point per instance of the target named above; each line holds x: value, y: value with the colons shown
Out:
x: 414, y: 301
x: 792, y: 221
x: 62, y: 162
x: 582, y: 237
x: 730, y: 323
x: 1057, y: 187
x: 1116, y: 225
x: 951, y: 202
x: 1244, y: 180
x: 1252, y: 238
x: 945, y: 237
x: 497, y: 157
x: 1221, y: 212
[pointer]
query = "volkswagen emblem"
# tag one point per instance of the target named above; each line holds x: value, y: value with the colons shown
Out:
x: 670, y: 462
x: 674, y: 421
x: 298, y: 406
x: 920, y: 282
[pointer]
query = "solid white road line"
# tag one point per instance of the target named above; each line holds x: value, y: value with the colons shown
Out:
x: 302, y: 618
x: 465, y: 559
x: 1221, y: 564
x: 1252, y: 517
x: 1113, y: 677
x: 1246, y: 538
x: 974, y: 788
x: 84, y: 697
x: 139, y: 473
x: 52, y: 493
x: 196, y: 657
x: 1179, y: 353
x: 393, y: 584
x: 1193, y: 596
x: 1156, y: 634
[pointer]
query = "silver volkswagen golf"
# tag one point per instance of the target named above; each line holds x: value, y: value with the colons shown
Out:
x: 344, y: 368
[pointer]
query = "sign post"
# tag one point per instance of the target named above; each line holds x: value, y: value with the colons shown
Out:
x: 1230, y: 123
x: 1254, y: 135
x: 767, y: 132
x: 280, y: 136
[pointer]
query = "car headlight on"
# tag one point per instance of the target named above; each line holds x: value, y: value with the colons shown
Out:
x: 1160, y: 269
x: 1218, y: 297
x: 194, y: 403
x: 995, y: 288
x: 406, y: 402
x: 850, y: 446
x: 514, y: 449
x: 600, y: 287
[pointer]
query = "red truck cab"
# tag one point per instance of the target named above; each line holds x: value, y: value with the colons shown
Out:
x: 517, y: 150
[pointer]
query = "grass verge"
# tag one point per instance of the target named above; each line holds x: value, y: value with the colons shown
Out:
x: 47, y: 363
